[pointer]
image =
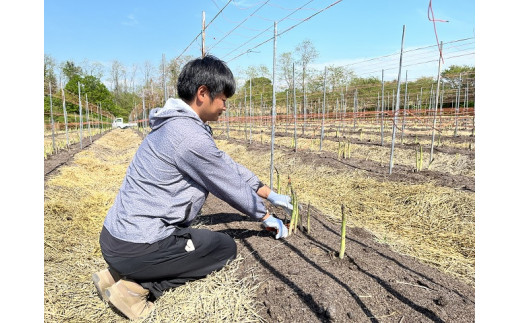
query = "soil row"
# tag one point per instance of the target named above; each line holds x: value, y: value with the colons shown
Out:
x: 62, y: 157
x: 303, y: 280
x: 331, y: 136
x: 400, y: 173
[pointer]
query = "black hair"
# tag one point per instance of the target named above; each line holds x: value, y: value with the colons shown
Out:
x: 209, y: 71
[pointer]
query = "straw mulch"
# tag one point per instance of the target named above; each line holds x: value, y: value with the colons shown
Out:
x: 76, y: 202
x: 431, y: 223
x: 454, y: 164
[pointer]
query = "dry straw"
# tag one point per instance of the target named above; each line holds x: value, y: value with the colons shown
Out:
x: 76, y: 202
x: 446, y: 163
x: 432, y: 223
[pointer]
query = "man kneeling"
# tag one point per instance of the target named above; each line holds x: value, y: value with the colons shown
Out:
x: 146, y: 237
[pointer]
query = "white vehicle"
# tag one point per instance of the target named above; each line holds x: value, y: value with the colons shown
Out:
x: 118, y: 123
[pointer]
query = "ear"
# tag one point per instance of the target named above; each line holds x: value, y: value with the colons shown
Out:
x: 202, y: 93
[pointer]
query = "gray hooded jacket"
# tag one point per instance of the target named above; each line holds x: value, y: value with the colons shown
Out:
x: 169, y: 178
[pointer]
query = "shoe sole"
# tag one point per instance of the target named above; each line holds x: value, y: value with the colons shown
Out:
x: 115, y: 297
x: 100, y: 290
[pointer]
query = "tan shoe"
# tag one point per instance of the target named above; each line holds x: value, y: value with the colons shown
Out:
x: 102, y: 280
x: 130, y: 299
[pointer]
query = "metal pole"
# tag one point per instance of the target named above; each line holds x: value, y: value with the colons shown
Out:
x: 204, y: 34
x: 396, y: 110
x: 323, y: 111
x: 430, y: 101
x: 355, y: 109
x: 337, y: 108
x: 52, y: 120
x: 294, y: 106
x: 343, y: 113
x: 440, y: 105
x: 273, y: 112
x: 65, y: 114
x: 80, y: 119
x: 436, y: 102
x: 388, y: 105
x: 457, y: 103
x: 287, y: 110
x: 378, y: 105
x: 466, y: 97
x: 250, y: 112
x: 382, y: 104
x: 246, y: 112
x: 405, y: 106
x: 99, y: 117
x: 88, y: 119
x: 304, y: 104
x: 345, y: 97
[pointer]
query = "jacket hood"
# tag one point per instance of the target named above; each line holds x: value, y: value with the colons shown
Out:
x: 174, y: 108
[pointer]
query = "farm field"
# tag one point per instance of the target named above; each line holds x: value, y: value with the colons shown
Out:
x: 410, y: 250
x: 370, y: 128
x: 454, y: 155
x: 63, y: 138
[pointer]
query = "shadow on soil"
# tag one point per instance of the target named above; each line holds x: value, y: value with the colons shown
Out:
x: 304, y: 280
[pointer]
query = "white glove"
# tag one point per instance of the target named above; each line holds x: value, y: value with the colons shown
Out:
x: 272, y: 223
x: 283, y: 201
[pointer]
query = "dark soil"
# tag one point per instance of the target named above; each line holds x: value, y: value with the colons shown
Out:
x: 375, y: 169
x: 330, y: 135
x: 302, y: 278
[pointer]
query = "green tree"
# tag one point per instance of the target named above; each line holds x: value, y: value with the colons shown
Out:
x: 96, y: 92
x: 259, y: 83
x: 367, y: 91
x: 418, y: 90
x: 314, y: 85
x: 70, y: 69
x: 262, y: 87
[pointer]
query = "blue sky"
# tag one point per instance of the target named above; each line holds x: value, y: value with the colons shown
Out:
x: 133, y: 32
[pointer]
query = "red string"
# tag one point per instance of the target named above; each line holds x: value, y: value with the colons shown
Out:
x: 435, y: 29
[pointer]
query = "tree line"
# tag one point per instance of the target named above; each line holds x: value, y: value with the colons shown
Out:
x: 123, y: 92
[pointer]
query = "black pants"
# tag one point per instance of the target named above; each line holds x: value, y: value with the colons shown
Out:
x: 171, y: 265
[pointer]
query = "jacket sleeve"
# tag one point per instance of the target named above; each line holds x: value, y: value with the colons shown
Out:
x: 245, y: 173
x: 199, y: 158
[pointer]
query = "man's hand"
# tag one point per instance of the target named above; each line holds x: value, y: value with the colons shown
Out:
x: 274, y: 223
x: 283, y: 201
